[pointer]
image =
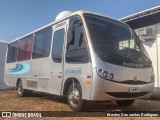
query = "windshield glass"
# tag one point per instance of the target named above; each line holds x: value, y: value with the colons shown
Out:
x: 115, y: 42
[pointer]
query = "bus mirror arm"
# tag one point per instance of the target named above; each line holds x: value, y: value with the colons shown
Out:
x: 70, y: 32
x: 70, y: 35
x: 143, y: 40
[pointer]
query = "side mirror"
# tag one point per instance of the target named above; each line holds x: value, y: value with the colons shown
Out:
x: 142, y: 39
x: 77, y: 22
x: 70, y: 39
x: 69, y: 35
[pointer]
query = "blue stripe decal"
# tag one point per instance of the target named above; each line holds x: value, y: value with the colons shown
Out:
x: 20, y: 69
x: 15, y: 67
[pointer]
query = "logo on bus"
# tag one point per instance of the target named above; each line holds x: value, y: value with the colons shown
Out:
x: 134, y: 65
x: 135, y: 78
x: 73, y: 71
x: 20, y: 69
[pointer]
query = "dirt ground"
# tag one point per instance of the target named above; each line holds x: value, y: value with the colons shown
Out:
x: 10, y: 101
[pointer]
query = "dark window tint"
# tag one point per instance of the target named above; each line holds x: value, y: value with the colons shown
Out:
x: 58, y: 45
x: 42, y: 43
x: 12, y: 52
x: 25, y: 48
x: 115, y: 42
x: 76, y: 45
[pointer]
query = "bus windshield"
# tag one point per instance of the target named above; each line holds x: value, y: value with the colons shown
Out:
x: 114, y: 41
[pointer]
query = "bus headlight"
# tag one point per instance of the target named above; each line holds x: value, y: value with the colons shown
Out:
x: 105, y: 74
x: 111, y: 76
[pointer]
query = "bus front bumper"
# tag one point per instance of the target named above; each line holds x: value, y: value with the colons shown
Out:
x: 107, y: 90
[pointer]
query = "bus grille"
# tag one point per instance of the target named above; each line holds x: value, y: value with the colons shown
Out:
x: 126, y: 94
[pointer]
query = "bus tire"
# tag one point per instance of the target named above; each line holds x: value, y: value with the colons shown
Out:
x: 23, y: 92
x: 125, y: 103
x: 74, y: 97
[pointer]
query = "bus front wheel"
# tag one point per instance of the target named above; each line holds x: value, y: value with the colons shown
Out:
x: 23, y: 92
x: 125, y: 103
x: 74, y: 97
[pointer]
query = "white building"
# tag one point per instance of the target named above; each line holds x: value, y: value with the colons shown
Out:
x: 3, y: 48
x: 147, y: 26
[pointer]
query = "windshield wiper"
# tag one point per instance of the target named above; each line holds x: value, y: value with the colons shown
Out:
x: 141, y: 54
x: 120, y: 57
x: 115, y: 57
x: 102, y: 54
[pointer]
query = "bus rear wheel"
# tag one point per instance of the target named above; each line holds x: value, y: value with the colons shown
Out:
x: 74, y: 97
x: 125, y: 103
x: 23, y: 92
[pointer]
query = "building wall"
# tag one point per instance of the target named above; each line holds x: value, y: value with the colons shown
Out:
x: 152, y: 45
x: 3, y: 47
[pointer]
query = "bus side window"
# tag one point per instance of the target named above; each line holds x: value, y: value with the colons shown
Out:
x: 57, y: 49
x: 25, y: 48
x: 76, y: 50
x: 42, y: 43
x: 12, y: 52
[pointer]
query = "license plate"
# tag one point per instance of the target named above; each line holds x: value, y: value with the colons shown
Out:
x: 134, y: 89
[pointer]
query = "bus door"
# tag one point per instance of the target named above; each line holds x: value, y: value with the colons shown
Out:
x: 59, y: 36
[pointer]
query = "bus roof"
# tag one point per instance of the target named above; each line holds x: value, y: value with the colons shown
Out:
x: 79, y: 12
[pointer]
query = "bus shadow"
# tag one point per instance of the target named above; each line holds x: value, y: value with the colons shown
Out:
x: 155, y: 97
x: 104, y: 107
x: 47, y: 96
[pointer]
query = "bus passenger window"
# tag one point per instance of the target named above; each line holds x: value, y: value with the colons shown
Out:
x: 76, y: 51
x: 25, y: 48
x: 42, y: 43
x: 57, y: 49
x: 12, y: 52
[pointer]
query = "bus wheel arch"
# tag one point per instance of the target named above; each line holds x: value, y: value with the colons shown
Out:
x: 67, y: 84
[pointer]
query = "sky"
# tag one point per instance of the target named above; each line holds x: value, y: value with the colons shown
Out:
x: 19, y: 17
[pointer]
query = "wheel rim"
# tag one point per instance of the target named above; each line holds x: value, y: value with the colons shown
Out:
x: 74, y: 97
x: 20, y: 88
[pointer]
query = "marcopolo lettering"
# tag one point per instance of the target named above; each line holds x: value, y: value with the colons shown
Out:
x: 134, y: 65
x: 73, y: 71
